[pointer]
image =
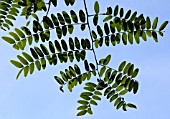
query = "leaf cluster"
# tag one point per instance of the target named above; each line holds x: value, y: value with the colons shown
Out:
x: 118, y: 26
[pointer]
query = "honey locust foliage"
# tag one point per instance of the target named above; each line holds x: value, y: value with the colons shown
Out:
x: 119, y: 26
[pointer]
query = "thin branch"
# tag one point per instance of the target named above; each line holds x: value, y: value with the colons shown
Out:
x: 49, y: 5
x: 91, y: 15
x: 91, y: 37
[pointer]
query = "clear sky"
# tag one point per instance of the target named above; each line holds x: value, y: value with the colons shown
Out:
x: 38, y: 97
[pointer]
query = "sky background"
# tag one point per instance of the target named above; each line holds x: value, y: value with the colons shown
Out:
x: 38, y: 97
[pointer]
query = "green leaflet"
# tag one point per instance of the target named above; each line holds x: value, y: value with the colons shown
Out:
x: 27, y: 56
x: 20, y: 71
x: 8, y: 39
x: 14, y: 35
x: 54, y: 2
x: 109, y: 11
x: 71, y: 2
x: 124, y: 38
x: 55, y: 20
x: 44, y: 49
x: 123, y: 92
x: 126, y: 68
x: 90, y: 84
x: 89, y: 111
x: 82, y: 107
x: 95, y: 20
x: 31, y: 68
x: 82, y: 102
x: 35, y: 17
x: 155, y: 22
x: 113, y: 97
x: 148, y: 23
x: 117, y: 101
x: 128, y: 14
x: 106, y: 28
x: 107, y: 91
x: 107, y: 18
x: 135, y: 88
x: 74, y: 16
x: 83, y: 27
x: 66, y: 17
x: 64, y: 45
x: 34, y: 54
x: 59, y: 80
x: 59, y: 32
x: 93, y: 102
x: 16, y: 63
x: 163, y: 25
x: 102, y: 70
x: 131, y: 105
x: 116, y: 10
x: 120, y: 104
x: 96, y: 7
x: 131, y: 85
x: 95, y: 97
x: 61, y: 19
x: 57, y: 46
x: 70, y: 29
x: 82, y: 113
x: 38, y: 65
x: 121, y: 12
x: 39, y: 52
x: 99, y: 30
x: 121, y: 66
x: 22, y: 60
x: 154, y: 35
x: 82, y: 16
x: 92, y: 66
x: 107, y: 60
x: 135, y: 73
x: 20, y: 33
x: 26, y: 70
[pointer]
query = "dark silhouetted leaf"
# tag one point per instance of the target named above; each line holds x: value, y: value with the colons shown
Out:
x: 82, y: 16
x: 131, y: 105
x: 116, y: 10
x: 74, y: 16
x: 81, y: 113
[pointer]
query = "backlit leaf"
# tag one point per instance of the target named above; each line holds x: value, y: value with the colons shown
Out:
x: 155, y: 22
x: 81, y: 113
x: 131, y: 105
x: 96, y: 7
x: 163, y: 25
x: 16, y: 63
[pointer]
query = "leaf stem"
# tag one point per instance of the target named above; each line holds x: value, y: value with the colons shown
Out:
x: 49, y: 5
x: 91, y: 37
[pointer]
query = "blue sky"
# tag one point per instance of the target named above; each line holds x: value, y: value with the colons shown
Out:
x: 38, y: 97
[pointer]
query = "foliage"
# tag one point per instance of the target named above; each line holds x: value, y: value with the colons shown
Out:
x: 118, y: 27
